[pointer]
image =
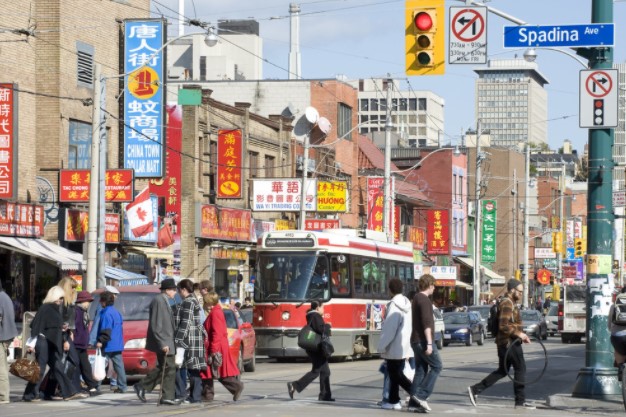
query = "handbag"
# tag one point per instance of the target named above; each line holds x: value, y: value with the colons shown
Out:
x: 99, y: 366
x: 27, y: 369
x: 327, y: 347
x: 308, y: 339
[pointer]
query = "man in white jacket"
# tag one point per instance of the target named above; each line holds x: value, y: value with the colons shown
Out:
x: 395, y: 343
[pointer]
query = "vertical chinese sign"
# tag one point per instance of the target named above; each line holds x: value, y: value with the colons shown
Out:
x: 8, y: 137
x: 376, y: 204
x: 488, y: 244
x: 229, y: 158
x: 438, y: 232
x: 144, y: 94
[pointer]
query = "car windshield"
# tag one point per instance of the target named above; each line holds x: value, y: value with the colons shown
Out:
x: 231, y: 320
x: 133, y: 306
x: 483, y: 311
x: 291, y: 277
x: 456, y: 318
x: 575, y: 293
x: 554, y: 310
x: 530, y: 315
x: 246, y: 315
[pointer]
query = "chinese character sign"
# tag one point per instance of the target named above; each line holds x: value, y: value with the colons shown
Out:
x: 438, y: 232
x: 229, y: 158
x: 488, y: 244
x: 321, y: 224
x: 8, y: 127
x: 331, y: 196
x: 77, y: 223
x: 74, y: 185
x: 416, y: 235
x: 282, y: 195
x: 376, y: 203
x: 224, y: 223
x: 144, y: 97
x: 21, y: 220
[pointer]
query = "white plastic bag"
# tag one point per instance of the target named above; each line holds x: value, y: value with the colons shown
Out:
x: 408, y: 371
x: 180, y: 356
x: 99, y: 366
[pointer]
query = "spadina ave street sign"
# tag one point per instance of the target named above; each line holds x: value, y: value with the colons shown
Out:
x: 594, y: 34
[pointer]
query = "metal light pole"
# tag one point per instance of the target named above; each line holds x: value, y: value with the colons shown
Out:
x: 388, y: 215
x: 526, y: 228
x: 598, y: 378
x: 477, y: 214
x: 559, y: 254
x: 305, y: 168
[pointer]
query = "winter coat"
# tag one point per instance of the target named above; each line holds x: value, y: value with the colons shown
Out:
x: 161, y: 327
x: 395, y: 337
x: 8, y: 330
x: 190, y: 333
x: 81, y: 328
x: 110, y: 332
x: 217, y: 341
x: 49, y: 322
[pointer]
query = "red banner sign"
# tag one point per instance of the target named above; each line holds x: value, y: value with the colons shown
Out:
x: 8, y: 127
x: 74, y: 185
x: 416, y: 235
x: 229, y: 158
x: 321, y: 224
x: 224, y: 223
x: 77, y: 223
x: 375, y: 203
x: 438, y: 232
x: 21, y: 220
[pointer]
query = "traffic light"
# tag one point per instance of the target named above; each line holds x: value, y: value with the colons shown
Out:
x: 424, y: 37
x: 579, y: 248
x: 598, y: 112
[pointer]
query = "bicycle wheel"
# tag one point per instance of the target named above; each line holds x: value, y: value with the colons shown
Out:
x: 623, y: 371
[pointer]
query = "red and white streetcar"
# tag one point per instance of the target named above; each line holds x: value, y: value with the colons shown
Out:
x: 348, y: 273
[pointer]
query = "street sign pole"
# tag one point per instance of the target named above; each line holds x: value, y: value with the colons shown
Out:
x: 598, y: 379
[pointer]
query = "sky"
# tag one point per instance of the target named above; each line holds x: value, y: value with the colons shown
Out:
x: 362, y: 39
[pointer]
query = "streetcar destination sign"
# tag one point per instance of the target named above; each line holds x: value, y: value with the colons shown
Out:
x: 593, y: 34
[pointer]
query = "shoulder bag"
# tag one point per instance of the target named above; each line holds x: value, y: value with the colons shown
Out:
x: 308, y: 339
x: 27, y: 369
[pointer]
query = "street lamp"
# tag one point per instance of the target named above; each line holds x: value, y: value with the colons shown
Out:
x: 530, y: 55
x: 95, y: 243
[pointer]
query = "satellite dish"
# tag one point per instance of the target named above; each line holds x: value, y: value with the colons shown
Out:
x: 324, y: 125
x: 311, y: 114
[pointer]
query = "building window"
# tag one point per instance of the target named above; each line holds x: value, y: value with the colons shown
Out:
x: 269, y: 166
x: 455, y: 192
x: 344, y: 122
x: 253, y: 157
x: 79, y: 152
x: 422, y: 104
x: 364, y: 104
x: 203, y: 68
x: 84, y: 69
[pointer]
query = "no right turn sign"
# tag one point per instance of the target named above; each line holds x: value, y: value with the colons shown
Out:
x: 598, y: 98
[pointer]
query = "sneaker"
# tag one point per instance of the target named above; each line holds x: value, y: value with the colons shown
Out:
x: 390, y: 406
x: 422, y: 403
x: 526, y: 406
x: 472, y: 395
x: 417, y: 409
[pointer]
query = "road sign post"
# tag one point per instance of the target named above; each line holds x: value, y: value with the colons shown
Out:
x: 467, y: 35
x: 598, y: 99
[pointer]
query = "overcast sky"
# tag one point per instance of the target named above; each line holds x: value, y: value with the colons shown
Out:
x: 365, y: 39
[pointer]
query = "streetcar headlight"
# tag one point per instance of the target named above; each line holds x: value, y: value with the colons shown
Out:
x: 260, y: 318
x: 286, y: 316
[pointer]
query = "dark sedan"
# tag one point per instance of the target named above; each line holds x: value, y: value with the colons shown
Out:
x: 463, y: 327
x: 534, y: 324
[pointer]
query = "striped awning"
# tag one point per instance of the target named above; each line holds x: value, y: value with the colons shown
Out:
x: 124, y: 278
x: 59, y: 256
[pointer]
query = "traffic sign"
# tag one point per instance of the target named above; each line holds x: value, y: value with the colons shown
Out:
x: 598, y: 98
x: 593, y: 34
x: 467, y: 35
x: 619, y: 198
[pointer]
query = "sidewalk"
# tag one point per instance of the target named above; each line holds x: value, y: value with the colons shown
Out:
x: 566, y: 402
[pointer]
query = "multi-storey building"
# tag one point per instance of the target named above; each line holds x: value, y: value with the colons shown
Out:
x: 511, y: 102
x: 417, y: 116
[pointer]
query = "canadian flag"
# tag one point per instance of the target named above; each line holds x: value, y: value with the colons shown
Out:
x: 139, y: 214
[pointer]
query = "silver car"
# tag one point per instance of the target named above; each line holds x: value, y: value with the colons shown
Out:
x: 439, y: 327
x: 552, y: 320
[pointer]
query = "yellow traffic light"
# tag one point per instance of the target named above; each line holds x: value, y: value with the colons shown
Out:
x: 424, y: 39
x: 579, y: 248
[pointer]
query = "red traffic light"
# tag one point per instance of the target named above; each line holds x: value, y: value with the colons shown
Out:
x: 423, y: 21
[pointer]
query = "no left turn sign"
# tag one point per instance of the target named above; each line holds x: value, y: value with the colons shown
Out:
x: 467, y: 35
x: 598, y: 97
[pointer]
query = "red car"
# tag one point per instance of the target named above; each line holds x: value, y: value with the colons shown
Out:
x: 133, y: 303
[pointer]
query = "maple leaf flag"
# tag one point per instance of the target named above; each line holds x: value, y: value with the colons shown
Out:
x: 139, y: 214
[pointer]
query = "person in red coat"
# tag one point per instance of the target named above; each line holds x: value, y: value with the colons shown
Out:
x: 221, y: 364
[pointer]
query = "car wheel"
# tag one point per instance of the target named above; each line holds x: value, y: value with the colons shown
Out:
x: 251, y: 365
x: 481, y: 340
x: 439, y: 342
x: 545, y: 335
x: 470, y: 340
x: 446, y: 343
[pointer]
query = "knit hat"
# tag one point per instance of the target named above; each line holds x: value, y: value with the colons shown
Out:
x: 513, y: 283
x: 83, y: 296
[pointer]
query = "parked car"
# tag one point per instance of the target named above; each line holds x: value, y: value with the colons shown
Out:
x: 241, y: 339
x: 484, y: 311
x: 552, y: 319
x: 534, y: 324
x: 133, y: 303
x: 440, y: 327
x: 463, y: 327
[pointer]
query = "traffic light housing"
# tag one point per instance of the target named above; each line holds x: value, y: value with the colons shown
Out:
x: 598, y: 112
x: 424, y: 37
x: 579, y: 248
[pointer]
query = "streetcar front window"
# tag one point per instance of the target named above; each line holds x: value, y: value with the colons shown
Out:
x: 291, y: 277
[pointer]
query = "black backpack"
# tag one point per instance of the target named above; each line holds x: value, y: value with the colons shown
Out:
x: 494, y: 318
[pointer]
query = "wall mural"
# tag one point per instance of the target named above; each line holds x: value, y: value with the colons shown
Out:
x: 47, y: 199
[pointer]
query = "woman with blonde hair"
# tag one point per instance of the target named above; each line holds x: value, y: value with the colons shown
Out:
x: 222, y: 365
x: 47, y: 328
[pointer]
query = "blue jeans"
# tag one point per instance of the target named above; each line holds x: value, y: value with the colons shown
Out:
x: 118, y: 367
x: 427, y: 369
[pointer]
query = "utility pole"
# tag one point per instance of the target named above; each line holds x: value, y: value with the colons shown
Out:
x: 515, y: 218
x: 387, y: 218
x: 477, y: 214
x: 598, y: 379
x: 559, y: 254
x: 305, y: 168
x: 526, y: 225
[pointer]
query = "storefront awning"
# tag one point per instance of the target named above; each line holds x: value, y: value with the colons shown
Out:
x: 151, y: 252
x: 46, y: 251
x: 464, y: 285
x: 124, y: 278
x: 493, y: 277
